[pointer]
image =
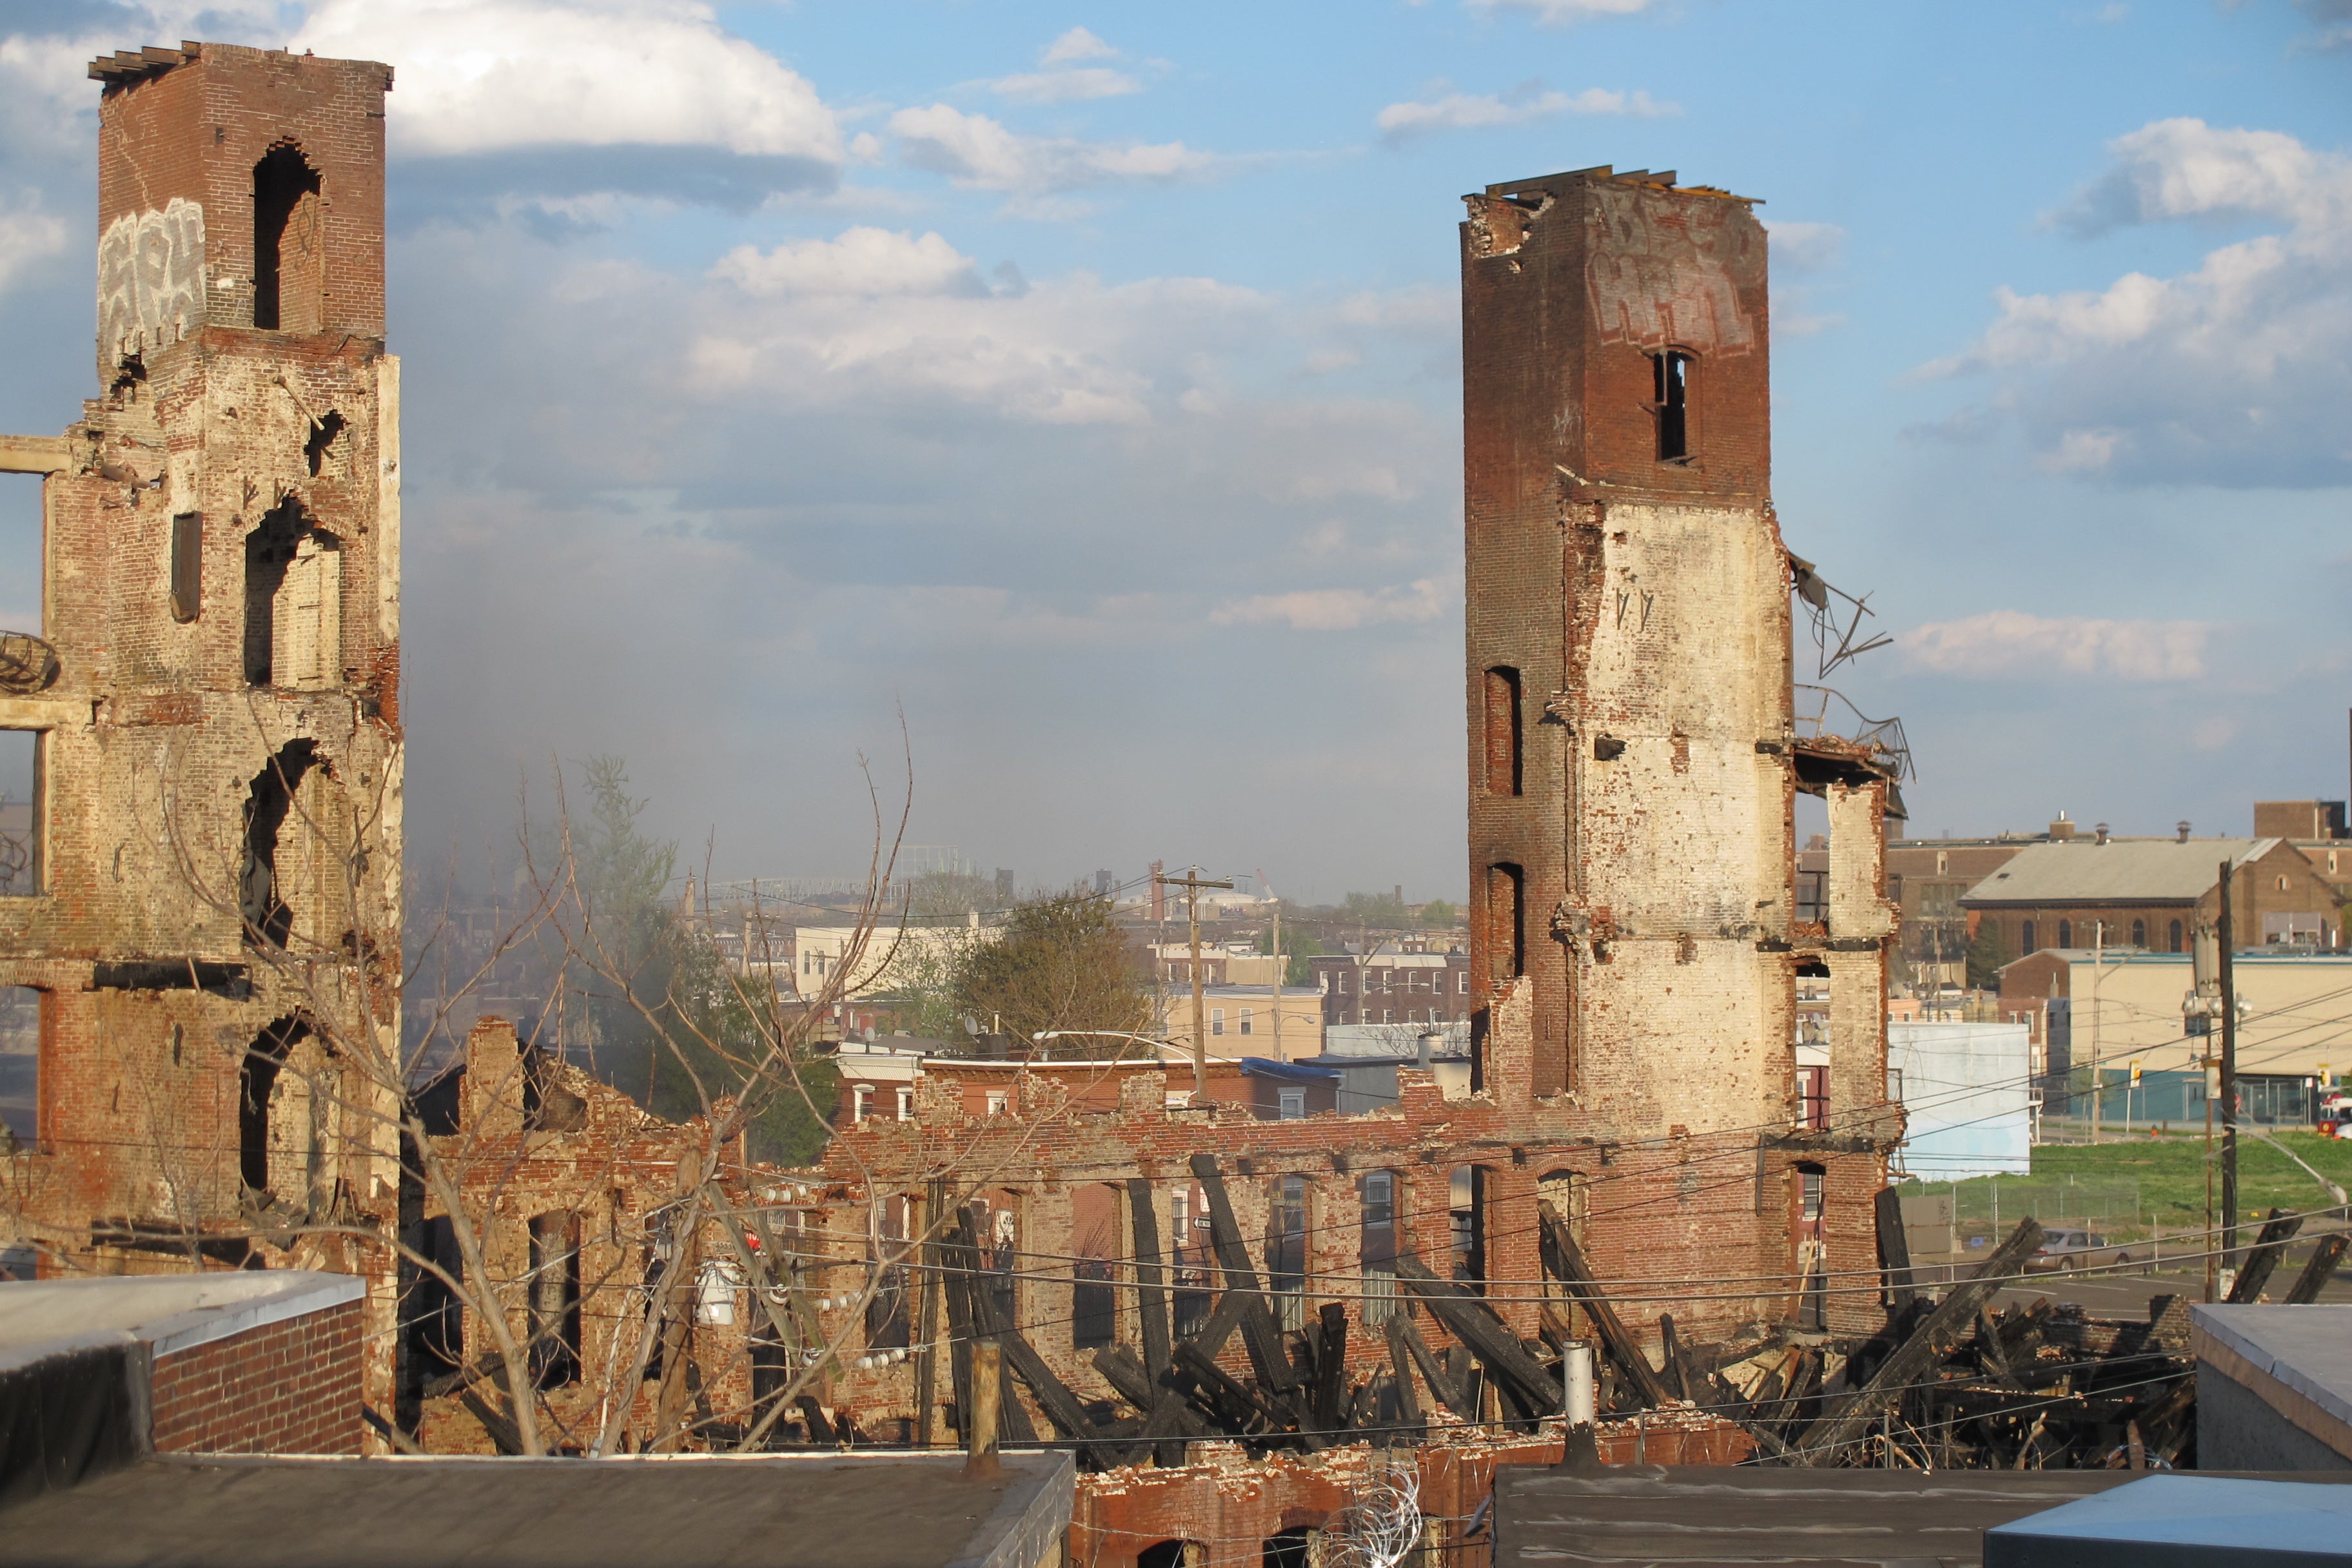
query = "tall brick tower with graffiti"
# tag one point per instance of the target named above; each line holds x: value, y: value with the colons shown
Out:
x: 212, y: 922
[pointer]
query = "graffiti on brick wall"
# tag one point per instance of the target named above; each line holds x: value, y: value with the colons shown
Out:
x: 1658, y: 275
x: 151, y: 280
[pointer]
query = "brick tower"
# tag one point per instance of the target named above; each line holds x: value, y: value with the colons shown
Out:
x: 213, y: 921
x: 1632, y: 757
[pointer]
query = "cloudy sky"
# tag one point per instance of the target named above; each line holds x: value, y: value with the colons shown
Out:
x: 1083, y: 384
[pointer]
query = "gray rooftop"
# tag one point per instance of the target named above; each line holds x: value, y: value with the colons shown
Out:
x: 769, y: 1511
x: 1658, y: 1515
x: 2178, y: 1521
x: 2120, y: 871
x: 2301, y: 1353
x: 170, y: 1313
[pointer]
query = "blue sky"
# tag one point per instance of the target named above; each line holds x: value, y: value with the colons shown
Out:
x: 1084, y: 382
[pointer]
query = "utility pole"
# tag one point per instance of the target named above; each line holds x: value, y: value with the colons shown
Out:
x: 1192, y: 883
x: 2098, y: 957
x: 2229, y: 1085
x: 1280, y: 963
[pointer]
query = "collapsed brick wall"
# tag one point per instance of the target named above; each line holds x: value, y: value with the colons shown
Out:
x: 288, y: 1387
x: 221, y: 587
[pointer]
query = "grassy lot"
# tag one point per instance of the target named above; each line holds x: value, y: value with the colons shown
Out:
x: 2170, y: 1177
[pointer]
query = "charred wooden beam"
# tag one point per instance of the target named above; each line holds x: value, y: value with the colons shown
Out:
x: 2319, y: 1269
x: 1405, y: 1342
x: 1328, y: 1406
x: 2269, y: 1248
x: 1565, y: 1260
x: 1150, y: 1287
x: 1473, y: 1323
x: 1895, y: 1251
x: 1260, y: 1333
x: 1850, y: 1417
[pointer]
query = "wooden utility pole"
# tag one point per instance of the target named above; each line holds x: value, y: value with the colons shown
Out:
x: 2229, y: 1084
x: 2099, y: 957
x: 1192, y: 883
x: 1280, y: 963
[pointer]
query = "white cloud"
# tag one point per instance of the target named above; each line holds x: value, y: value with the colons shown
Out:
x: 1559, y: 13
x: 1342, y: 609
x: 1077, y: 43
x: 887, y: 320
x: 2010, y: 642
x: 27, y: 236
x: 980, y: 153
x: 1806, y: 247
x: 2235, y: 373
x: 1066, y: 86
x: 862, y: 261
x: 479, y: 76
x: 1463, y: 111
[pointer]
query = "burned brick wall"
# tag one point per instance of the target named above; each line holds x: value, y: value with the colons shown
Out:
x: 215, y: 927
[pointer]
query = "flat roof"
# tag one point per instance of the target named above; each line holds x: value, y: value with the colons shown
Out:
x: 2295, y: 1357
x: 2159, y: 1520
x: 1723, y: 1515
x: 764, y: 1510
x: 41, y: 1318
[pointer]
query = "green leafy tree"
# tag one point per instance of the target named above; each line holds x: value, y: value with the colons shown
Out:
x: 1986, y: 955
x: 1439, y: 915
x: 1375, y: 911
x: 1060, y: 962
x: 1298, y: 948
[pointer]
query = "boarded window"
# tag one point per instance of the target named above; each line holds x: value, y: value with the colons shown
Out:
x: 187, y: 565
x: 1504, y: 770
x: 288, y: 249
x: 20, y: 1068
x: 1506, y: 921
x: 22, y: 755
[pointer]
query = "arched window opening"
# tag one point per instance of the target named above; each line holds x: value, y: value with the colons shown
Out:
x: 1094, y: 1294
x: 2025, y: 943
x: 268, y: 919
x: 1172, y: 1554
x: 1507, y: 922
x: 2065, y: 933
x: 1504, y: 768
x: 1376, y: 1246
x: 2173, y: 943
x: 293, y: 601
x: 1293, y: 1549
x: 1671, y: 377
x: 555, y: 1299
x: 260, y: 1101
x: 2139, y: 933
x: 289, y: 259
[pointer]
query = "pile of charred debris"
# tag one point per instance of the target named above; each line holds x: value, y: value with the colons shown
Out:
x: 1948, y: 1384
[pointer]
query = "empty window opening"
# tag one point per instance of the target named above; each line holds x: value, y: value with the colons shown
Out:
x: 1507, y: 922
x: 1671, y: 372
x: 187, y: 565
x: 997, y: 1225
x: 20, y: 1069
x: 885, y: 1314
x: 1094, y: 1295
x: 1376, y: 1245
x: 262, y: 1110
x: 434, y: 1322
x: 21, y: 534
x: 555, y: 1299
x: 1172, y: 1554
x: 293, y: 600
x: 1811, y: 1254
x: 1466, y: 1202
x: 321, y: 440
x: 1504, y: 768
x: 268, y: 919
x: 22, y: 754
x: 287, y: 255
x: 1286, y: 1250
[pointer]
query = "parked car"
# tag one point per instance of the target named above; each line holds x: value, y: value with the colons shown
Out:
x: 2077, y: 1249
